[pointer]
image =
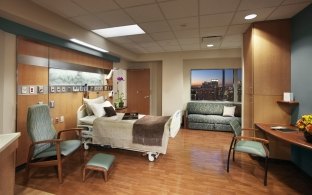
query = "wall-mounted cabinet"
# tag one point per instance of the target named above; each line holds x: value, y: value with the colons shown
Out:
x: 266, y: 71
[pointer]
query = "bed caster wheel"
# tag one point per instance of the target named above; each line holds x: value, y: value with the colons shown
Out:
x: 152, y: 156
x: 86, y: 146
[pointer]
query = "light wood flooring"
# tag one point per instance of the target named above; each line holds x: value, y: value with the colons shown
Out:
x: 195, y: 163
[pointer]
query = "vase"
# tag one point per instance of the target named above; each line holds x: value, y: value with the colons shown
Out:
x: 308, y: 136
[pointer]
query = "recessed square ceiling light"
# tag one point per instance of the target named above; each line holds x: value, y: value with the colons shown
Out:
x: 119, y: 31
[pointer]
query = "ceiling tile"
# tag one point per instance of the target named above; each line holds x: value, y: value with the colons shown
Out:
x: 287, y: 11
x: 131, y: 3
x: 256, y: 4
x: 145, y: 13
x: 97, y: 5
x: 239, y: 17
x: 172, y: 48
x: 120, y: 40
x: 236, y: 29
x: 220, y: 6
x: 152, y: 27
x: 189, y: 41
x: 184, y: 23
x: 115, y: 18
x: 167, y: 43
x: 179, y: 9
x: 190, y: 47
x: 215, y: 20
x: 235, y: 37
x: 214, y: 31
x: 187, y: 33
x: 63, y: 10
x: 89, y: 22
x: 141, y: 38
x: 162, y: 36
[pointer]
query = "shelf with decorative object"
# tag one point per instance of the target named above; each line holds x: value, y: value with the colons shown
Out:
x: 291, y: 103
x: 288, y: 106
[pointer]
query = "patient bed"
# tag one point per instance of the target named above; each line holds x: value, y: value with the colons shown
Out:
x: 117, y: 133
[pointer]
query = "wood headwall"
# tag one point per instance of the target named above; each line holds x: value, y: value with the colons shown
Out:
x: 34, y: 72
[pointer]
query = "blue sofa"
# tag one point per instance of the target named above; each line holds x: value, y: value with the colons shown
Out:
x: 209, y: 115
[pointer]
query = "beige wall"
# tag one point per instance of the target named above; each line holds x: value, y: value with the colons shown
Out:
x: 7, y: 82
x: 176, y: 82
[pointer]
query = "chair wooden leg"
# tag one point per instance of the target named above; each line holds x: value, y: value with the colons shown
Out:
x: 229, y: 155
x: 266, y: 171
x: 26, y: 173
x: 228, y: 160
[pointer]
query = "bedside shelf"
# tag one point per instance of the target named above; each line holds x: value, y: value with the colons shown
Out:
x: 291, y: 103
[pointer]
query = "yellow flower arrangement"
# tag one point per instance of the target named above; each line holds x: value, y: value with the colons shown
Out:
x: 305, y: 123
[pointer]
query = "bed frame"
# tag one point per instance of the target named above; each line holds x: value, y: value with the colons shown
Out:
x: 90, y: 135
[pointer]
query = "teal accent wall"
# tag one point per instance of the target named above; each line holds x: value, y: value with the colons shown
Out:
x: 301, y: 78
x: 18, y: 29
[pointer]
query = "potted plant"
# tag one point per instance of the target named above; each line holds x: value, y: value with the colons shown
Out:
x: 305, y: 124
x: 120, y: 95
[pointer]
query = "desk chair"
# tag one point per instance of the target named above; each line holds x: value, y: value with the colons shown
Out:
x: 250, y: 145
x: 48, y: 149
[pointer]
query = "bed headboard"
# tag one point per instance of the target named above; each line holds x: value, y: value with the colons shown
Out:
x: 176, y: 120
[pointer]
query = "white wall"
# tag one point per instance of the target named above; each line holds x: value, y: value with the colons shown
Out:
x: 7, y: 82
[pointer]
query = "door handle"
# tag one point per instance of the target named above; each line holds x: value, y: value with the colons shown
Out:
x: 146, y: 96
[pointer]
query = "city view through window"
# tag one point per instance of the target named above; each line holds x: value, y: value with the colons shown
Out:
x: 216, y: 84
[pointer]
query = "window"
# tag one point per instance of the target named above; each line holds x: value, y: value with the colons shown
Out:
x: 216, y: 84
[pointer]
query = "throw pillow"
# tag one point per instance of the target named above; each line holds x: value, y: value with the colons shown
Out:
x: 97, y: 109
x: 110, y: 111
x: 87, y: 102
x: 229, y: 111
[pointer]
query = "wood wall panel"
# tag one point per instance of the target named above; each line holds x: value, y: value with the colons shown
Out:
x: 27, y: 47
x: 78, y: 58
x: 66, y: 104
x: 266, y: 71
x: 271, y: 57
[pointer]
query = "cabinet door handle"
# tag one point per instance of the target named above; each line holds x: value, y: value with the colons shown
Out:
x: 146, y: 96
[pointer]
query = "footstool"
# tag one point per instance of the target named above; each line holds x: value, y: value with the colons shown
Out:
x: 99, y: 162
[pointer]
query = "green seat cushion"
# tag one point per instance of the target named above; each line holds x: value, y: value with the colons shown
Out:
x: 101, y: 160
x: 67, y: 147
x: 251, y: 147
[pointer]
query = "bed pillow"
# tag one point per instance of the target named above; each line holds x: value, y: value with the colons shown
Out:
x: 229, y: 111
x: 87, y: 102
x: 97, y: 109
x: 108, y: 104
x: 110, y: 111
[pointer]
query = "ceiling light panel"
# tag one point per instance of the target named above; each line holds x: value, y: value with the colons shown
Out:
x: 119, y: 31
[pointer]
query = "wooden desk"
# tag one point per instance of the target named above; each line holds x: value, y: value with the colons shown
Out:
x: 281, y: 141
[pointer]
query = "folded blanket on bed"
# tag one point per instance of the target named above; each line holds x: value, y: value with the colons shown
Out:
x: 149, y: 130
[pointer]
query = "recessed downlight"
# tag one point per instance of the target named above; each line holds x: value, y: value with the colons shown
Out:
x: 250, y: 16
x: 210, y: 45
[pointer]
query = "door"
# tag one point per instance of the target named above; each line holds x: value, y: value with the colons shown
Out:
x: 138, y: 91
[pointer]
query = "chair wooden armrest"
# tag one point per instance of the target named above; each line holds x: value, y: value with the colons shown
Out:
x: 68, y: 130
x: 55, y: 141
x: 253, y: 139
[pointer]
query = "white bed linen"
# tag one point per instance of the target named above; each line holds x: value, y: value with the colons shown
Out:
x: 117, y: 133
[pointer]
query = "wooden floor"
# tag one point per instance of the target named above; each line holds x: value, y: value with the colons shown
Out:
x: 195, y: 163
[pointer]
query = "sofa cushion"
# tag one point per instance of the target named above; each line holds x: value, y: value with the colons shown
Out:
x: 213, y: 119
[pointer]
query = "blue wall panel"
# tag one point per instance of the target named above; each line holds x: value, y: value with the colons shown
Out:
x: 301, y: 78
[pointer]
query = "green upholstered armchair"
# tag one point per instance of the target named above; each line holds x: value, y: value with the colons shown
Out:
x: 47, y: 148
x: 251, y: 145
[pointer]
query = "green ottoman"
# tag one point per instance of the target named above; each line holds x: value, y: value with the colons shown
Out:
x: 99, y: 162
